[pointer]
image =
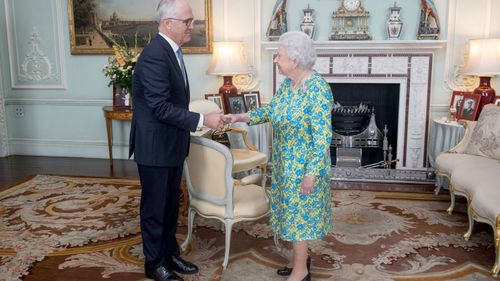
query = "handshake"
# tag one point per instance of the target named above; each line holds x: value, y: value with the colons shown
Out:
x: 217, y: 120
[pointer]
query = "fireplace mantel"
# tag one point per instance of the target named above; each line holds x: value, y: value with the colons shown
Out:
x: 371, y: 45
x: 407, y: 63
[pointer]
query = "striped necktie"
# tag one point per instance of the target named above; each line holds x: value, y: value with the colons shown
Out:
x: 181, y: 64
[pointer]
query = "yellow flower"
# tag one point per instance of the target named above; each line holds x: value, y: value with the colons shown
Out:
x: 119, y: 57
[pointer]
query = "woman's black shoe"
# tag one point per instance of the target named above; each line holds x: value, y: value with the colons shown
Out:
x: 286, y: 271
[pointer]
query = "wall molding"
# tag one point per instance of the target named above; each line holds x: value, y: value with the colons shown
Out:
x: 4, y: 143
x: 62, y: 102
x: 67, y: 148
x: 251, y: 81
x: 19, y: 76
x: 453, y: 78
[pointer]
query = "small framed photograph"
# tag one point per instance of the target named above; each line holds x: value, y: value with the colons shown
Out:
x: 235, y: 104
x: 469, y: 107
x: 456, y: 100
x: 497, y: 101
x: 252, y: 100
x: 121, y: 98
x: 217, y: 99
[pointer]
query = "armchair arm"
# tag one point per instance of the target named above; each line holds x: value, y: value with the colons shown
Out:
x: 462, y: 144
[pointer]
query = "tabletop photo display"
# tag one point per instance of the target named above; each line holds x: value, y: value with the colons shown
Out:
x: 252, y: 100
x: 217, y: 99
x: 235, y: 103
x: 469, y: 106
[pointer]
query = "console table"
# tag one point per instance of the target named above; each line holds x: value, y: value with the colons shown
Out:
x: 111, y: 114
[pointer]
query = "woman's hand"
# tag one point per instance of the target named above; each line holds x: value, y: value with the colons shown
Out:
x: 232, y: 118
x: 229, y: 118
x: 307, y: 185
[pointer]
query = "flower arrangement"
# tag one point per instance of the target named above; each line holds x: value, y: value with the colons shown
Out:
x: 120, y: 67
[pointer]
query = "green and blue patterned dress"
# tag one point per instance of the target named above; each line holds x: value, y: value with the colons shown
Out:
x: 302, y: 132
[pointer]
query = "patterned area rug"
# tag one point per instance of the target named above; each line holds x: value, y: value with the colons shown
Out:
x: 72, y: 228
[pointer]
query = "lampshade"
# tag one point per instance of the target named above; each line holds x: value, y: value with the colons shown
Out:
x: 228, y: 59
x: 484, y: 57
x: 484, y: 61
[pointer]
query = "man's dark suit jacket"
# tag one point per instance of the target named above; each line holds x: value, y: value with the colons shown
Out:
x: 161, y: 121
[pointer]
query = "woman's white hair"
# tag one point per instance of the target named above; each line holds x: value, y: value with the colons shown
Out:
x: 299, y: 48
x: 166, y: 9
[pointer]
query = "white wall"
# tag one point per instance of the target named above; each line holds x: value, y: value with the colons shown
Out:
x: 68, y: 120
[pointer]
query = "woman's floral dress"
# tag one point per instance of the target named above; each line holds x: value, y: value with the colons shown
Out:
x: 302, y: 132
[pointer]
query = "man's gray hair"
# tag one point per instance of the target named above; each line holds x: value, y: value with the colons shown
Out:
x: 299, y: 48
x: 166, y: 9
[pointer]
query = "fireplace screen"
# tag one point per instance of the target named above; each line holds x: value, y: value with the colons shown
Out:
x: 364, y: 124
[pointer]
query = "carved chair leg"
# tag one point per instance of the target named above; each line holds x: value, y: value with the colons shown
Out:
x: 228, y: 225
x: 471, y: 222
x: 452, y: 203
x: 190, y: 220
x: 496, y: 231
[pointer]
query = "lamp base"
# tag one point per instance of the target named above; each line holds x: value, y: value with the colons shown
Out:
x: 228, y: 88
x: 487, y: 93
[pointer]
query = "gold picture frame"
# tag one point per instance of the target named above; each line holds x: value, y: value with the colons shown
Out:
x: 94, y: 26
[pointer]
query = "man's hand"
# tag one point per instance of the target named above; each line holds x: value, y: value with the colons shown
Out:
x: 307, y: 184
x: 213, y: 120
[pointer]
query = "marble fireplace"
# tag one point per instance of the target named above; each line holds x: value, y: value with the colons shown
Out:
x: 404, y: 63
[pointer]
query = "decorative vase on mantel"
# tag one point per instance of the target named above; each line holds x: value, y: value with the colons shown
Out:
x: 394, y: 24
x: 308, y: 26
x: 122, y: 97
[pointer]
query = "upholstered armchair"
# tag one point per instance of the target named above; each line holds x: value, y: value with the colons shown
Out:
x: 214, y: 194
x: 245, y: 158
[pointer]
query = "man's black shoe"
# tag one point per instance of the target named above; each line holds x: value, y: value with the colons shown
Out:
x: 162, y: 273
x: 177, y: 264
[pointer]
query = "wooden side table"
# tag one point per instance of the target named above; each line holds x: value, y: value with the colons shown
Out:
x: 111, y: 114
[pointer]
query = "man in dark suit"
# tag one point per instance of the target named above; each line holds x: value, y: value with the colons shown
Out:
x: 159, y: 137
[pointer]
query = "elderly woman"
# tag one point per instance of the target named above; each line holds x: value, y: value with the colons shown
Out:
x: 300, y: 114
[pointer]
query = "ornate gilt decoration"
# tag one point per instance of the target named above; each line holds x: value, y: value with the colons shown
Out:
x: 350, y: 24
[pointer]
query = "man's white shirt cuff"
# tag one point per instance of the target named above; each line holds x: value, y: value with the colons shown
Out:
x: 200, y: 122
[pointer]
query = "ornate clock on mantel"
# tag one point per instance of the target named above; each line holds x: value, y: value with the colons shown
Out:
x: 350, y: 21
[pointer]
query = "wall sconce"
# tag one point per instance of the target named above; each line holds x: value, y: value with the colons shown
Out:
x: 484, y: 61
x: 228, y: 59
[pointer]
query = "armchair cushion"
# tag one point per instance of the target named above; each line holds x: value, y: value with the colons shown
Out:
x: 246, y: 159
x: 472, y: 176
x: 448, y: 162
x: 485, y: 139
x: 249, y: 201
x: 485, y: 204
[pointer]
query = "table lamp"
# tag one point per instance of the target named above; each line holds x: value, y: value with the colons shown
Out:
x: 484, y: 61
x: 228, y: 60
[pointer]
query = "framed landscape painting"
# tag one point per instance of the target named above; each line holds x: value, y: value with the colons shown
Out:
x: 96, y: 25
